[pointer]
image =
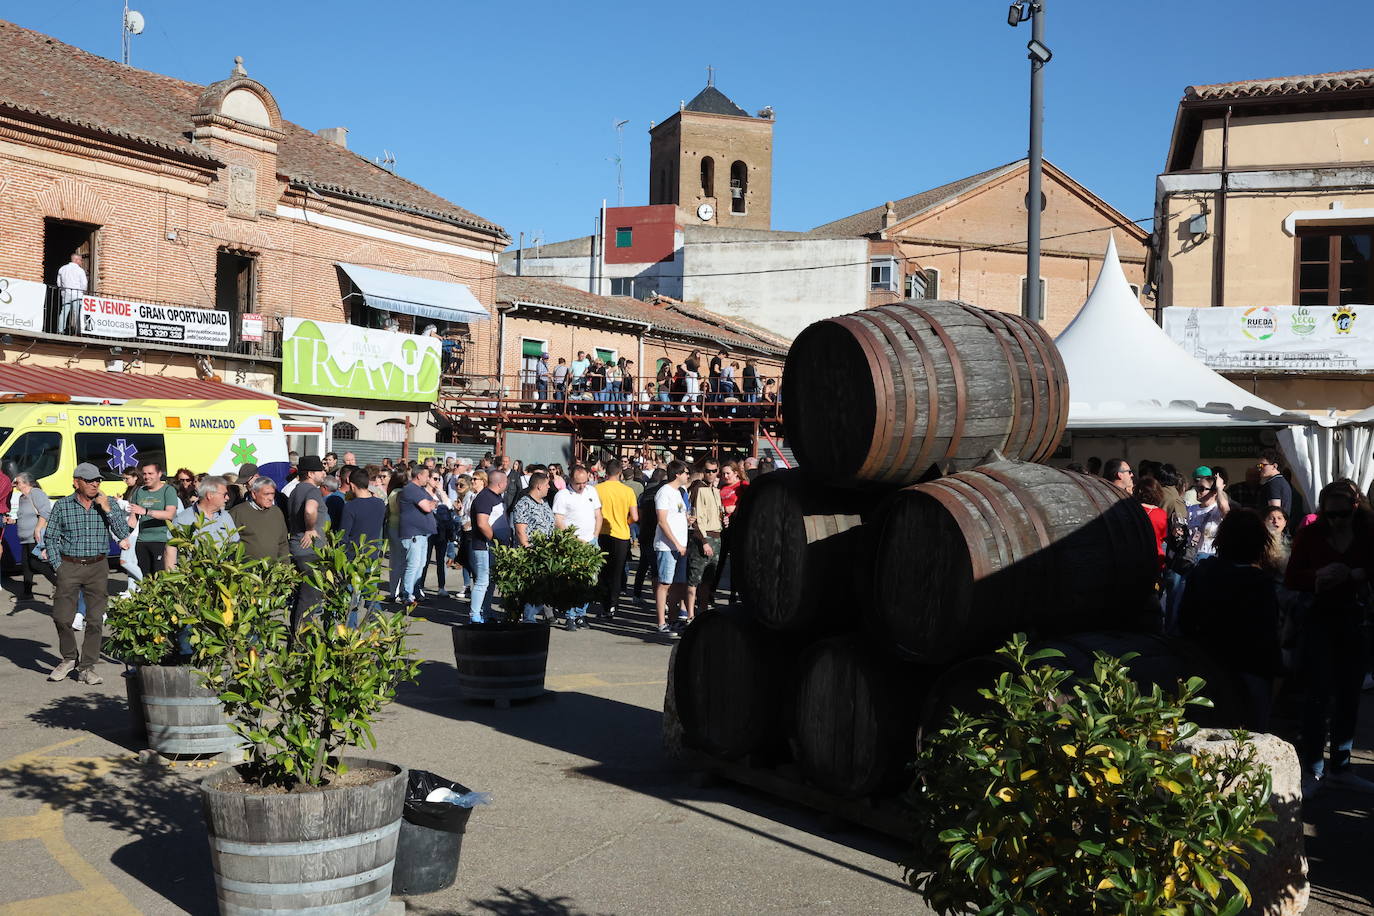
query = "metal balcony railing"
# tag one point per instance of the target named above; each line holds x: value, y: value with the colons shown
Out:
x: 62, y: 318
x: 524, y: 395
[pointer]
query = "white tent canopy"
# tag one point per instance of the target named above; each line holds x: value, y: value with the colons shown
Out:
x: 1126, y: 373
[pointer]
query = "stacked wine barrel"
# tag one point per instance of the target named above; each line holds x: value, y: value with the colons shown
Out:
x: 918, y: 533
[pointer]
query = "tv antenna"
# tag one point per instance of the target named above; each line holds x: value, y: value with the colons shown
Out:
x: 620, y: 162
x: 130, y: 24
x: 387, y: 160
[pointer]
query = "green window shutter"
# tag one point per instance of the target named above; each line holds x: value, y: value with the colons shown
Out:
x: 624, y: 237
x: 531, y: 347
x: 606, y: 356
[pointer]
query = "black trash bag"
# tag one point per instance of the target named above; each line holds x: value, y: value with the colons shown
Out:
x: 442, y: 816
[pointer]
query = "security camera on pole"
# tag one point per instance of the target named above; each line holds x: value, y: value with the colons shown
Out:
x: 1040, y: 55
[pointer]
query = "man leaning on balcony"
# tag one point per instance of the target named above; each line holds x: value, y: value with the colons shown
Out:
x: 71, y: 286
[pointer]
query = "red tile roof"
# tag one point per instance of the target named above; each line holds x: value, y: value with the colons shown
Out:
x: 1284, y: 85
x: 670, y: 316
x: 122, y: 386
x: 40, y: 75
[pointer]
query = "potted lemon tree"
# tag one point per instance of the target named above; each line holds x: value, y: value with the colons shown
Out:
x: 507, y: 660
x: 299, y: 826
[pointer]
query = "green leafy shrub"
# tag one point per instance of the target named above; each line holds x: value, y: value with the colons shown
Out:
x: 1064, y: 799
x: 559, y: 570
x: 300, y: 697
x: 144, y: 627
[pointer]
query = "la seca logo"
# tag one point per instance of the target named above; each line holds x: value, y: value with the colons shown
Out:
x: 1258, y: 323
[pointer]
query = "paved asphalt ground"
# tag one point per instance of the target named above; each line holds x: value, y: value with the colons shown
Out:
x: 588, y: 815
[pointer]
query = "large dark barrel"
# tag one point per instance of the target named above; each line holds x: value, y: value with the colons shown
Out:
x: 501, y: 661
x: 729, y: 680
x: 305, y: 852
x: 182, y: 715
x: 965, y: 561
x: 800, y: 555
x: 854, y: 719
x: 1161, y: 660
x: 882, y: 394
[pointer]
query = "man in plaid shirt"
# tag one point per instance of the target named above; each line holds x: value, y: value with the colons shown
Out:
x: 77, y: 543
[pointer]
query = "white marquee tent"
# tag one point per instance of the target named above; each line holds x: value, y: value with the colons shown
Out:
x: 1125, y: 373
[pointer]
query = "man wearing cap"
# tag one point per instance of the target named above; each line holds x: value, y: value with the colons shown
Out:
x: 306, y: 517
x: 541, y: 379
x: 1204, y: 516
x: 77, y: 543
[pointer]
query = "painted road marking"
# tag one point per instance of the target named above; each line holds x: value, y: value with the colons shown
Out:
x: 97, y: 894
x: 570, y: 682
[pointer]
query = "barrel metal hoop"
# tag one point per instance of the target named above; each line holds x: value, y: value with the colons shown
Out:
x: 1035, y: 439
x: 985, y: 501
x: 998, y: 329
x: 292, y: 848
x: 896, y: 466
x: 268, y: 889
x: 1098, y: 494
x: 1056, y: 380
x: 956, y: 366
x: 957, y: 510
x: 160, y: 729
x: 501, y: 658
x: 1023, y: 496
x: 181, y: 701
x: 932, y: 395
x: 880, y: 372
x: 358, y: 907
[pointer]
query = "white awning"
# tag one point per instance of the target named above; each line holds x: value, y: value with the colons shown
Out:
x: 389, y: 292
x: 1126, y: 373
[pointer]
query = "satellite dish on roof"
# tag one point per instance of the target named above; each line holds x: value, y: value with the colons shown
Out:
x: 133, y: 22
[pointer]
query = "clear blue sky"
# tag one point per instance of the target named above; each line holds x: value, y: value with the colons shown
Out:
x: 507, y: 108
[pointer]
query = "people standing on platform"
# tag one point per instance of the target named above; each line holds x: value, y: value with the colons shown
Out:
x: 72, y: 283
x: 619, y: 512
x: 76, y: 541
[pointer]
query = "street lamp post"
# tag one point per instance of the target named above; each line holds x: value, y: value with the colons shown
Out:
x: 1039, y: 55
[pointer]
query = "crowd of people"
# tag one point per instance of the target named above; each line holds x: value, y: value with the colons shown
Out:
x: 425, y: 515
x: 615, y: 387
x: 1270, y: 590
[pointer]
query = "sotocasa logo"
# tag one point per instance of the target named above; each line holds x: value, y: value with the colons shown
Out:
x: 1258, y: 323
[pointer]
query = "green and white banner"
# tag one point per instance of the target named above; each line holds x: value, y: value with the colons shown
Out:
x: 1328, y: 338
x: 343, y: 360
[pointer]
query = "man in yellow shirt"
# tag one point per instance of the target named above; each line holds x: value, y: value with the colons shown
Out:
x: 618, y: 512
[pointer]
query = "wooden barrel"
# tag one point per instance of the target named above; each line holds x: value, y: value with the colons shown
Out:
x: 883, y: 394
x: 729, y: 681
x: 183, y: 716
x: 965, y: 561
x: 1161, y: 660
x: 800, y: 553
x: 501, y: 661
x: 855, y: 715
x: 305, y: 852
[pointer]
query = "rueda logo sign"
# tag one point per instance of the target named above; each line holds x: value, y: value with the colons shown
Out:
x: 342, y: 360
x: 21, y: 304
x: 105, y: 317
x: 1258, y: 323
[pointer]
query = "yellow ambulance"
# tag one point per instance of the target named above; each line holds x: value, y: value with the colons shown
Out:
x: 48, y: 435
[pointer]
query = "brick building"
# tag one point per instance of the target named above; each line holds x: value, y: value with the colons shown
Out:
x: 198, y: 197
x: 966, y: 240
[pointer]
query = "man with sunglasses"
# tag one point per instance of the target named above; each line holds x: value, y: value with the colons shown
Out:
x: 77, y: 544
x: 1204, y: 517
x: 152, y: 505
x: 1274, y: 490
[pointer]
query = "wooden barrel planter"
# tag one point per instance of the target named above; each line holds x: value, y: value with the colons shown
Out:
x: 501, y: 661
x: 323, y: 851
x: 855, y: 715
x: 965, y: 561
x: 183, y: 717
x: 800, y: 551
x: 729, y: 682
x: 1161, y: 660
x: 883, y: 394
